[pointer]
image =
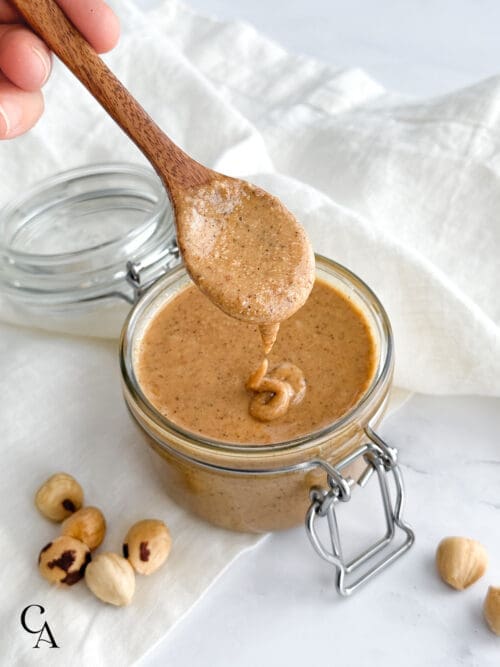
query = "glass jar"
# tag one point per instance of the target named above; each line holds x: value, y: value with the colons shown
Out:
x: 260, y: 488
x: 79, y: 249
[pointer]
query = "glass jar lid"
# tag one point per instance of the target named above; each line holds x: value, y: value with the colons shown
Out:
x: 73, y: 237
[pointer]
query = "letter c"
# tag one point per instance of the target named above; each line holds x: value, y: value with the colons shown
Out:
x: 23, y: 618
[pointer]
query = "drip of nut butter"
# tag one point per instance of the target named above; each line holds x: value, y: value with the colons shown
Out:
x: 275, y: 391
x: 251, y: 257
x: 268, y: 335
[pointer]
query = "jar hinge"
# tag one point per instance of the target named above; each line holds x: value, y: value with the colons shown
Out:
x: 382, y: 459
x: 140, y: 276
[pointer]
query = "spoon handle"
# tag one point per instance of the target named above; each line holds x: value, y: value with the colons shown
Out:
x: 175, y: 168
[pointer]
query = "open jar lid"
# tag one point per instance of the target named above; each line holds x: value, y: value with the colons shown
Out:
x: 69, y: 245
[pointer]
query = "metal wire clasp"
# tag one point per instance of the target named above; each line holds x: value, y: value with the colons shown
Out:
x: 382, y: 459
x: 140, y: 276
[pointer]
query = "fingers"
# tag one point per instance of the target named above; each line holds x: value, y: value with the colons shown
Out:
x: 95, y: 20
x: 19, y: 109
x: 24, y: 59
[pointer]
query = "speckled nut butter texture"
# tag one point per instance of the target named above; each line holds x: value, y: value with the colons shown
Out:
x: 246, y: 252
x: 193, y: 362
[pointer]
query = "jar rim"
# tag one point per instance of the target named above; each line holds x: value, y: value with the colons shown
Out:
x: 373, y: 395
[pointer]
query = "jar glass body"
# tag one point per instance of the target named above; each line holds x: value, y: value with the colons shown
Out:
x: 254, y: 488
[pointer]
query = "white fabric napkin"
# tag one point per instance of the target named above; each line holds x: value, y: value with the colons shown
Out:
x: 406, y: 194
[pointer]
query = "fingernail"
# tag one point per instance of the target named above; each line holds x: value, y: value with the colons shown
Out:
x: 45, y: 63
x: 11, y: 115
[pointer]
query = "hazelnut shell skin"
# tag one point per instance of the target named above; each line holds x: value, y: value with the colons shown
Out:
x: 111, y: 578
x: 64, y: 560
x: 461, y: 561
x: 59, y: 496
x: 87, y: 525
x: 147, y: 545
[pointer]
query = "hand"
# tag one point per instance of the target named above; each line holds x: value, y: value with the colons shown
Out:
x: 25, y: 61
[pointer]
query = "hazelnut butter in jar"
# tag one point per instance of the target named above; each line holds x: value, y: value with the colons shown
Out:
x: 184, y: 364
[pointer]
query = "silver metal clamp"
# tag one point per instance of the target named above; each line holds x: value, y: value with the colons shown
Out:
x: 381, y: 459
x: 140, y: 276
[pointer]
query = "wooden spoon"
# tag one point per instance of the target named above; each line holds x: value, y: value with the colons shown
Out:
x: 241, y: 246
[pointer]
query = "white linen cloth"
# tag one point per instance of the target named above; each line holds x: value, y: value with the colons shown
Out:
x: 404, y: 193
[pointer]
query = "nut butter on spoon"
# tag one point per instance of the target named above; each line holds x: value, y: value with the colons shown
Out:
x: 241, y: 246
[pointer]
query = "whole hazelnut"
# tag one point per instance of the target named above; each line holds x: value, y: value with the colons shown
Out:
x: 64, y: 560
x: 461, y: 561
x: 111, y: 578
x: 87, y: 525
x: 59, y: 496
x: 147, y: 545
x: 492, y: 609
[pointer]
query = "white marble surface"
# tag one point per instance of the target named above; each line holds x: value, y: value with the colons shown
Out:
x: 277, y: 605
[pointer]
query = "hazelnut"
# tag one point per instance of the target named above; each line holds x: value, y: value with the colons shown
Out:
x: 111, y: 578
x: 461, y: 561
x: 87, y: 525
x: 64, y: 560
x: 147, y: 545
x: 59, y: 496
x: 492, y: 609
